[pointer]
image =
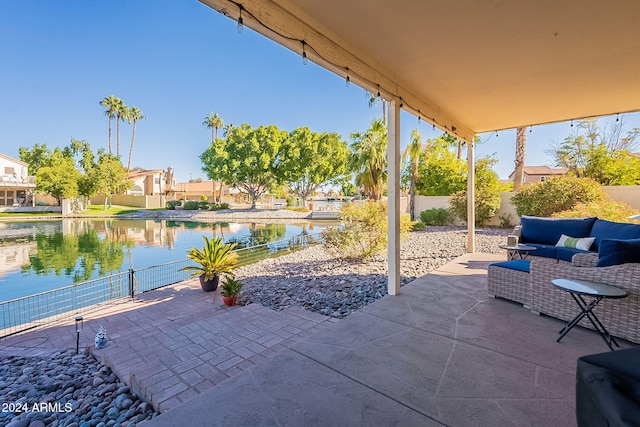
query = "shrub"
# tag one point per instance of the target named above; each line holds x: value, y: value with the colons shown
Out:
x: 218, y: 206
x: 505, y: 221
x: 487, y: 204
x: 191, y: 205
x: 171, y: 204
x: 364, y: 233
x: 203, y: 205
x: 436, y: 216
x: 204, y: 198
x: 603, y: 209
x: 418, y: 226
x: 555, y: 195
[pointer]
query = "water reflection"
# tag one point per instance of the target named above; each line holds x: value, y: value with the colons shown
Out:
x: 43, y: 255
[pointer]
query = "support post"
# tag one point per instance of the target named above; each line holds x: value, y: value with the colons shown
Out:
x: 471, y: 199
x: 393, y: 169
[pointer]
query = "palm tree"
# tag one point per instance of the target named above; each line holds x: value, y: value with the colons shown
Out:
x: 214, y: 122
x: 369, y: 159
x: 413, y: 151
x: 373, y: 101
x: 134, y: 114
x: 122, y: 111
x: 521, y: 145
x: 111, y: 103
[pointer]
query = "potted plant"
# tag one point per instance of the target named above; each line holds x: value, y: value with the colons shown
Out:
x: 215, y: 259
x: 230, y: 289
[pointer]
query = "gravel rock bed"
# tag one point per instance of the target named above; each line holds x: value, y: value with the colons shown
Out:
x: 66, y: 389
x: 317, y: 281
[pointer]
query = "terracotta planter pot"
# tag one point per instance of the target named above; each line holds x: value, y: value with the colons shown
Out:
x: 229, y: 301
x: 209, y: 285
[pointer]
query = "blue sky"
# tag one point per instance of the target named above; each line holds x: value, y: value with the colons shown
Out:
x: 177, y: 61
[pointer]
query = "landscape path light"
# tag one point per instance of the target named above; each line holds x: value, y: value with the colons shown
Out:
x: 79, y: 326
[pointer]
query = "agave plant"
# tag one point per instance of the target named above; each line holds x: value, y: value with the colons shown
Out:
x: 215, y: 258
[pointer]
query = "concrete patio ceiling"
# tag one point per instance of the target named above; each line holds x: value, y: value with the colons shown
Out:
x: 469, y: 66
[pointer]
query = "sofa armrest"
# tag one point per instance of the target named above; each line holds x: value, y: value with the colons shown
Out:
x: 620, y: 316
x: 585, y: 260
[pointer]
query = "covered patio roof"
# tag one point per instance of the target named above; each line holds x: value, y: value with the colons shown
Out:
x: 468, y: 66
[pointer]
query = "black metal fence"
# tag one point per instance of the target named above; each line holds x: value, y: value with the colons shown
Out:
x: 39, y: 310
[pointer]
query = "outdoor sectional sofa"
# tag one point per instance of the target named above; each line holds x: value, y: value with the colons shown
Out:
x: 613, y: 258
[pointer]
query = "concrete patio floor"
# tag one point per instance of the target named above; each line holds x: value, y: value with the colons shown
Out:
x: 440, y: 353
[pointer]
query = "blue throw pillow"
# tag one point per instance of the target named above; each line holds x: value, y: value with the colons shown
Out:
x: 603, y: 229
x: 548, y: 230
x: 614, y: 252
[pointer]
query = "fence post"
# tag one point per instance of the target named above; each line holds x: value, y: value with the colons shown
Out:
x: 131, y: 288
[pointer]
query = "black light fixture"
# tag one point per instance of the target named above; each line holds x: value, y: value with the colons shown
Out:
x: 305, y: 60
x: 240, y: 26
x: 79, y: 326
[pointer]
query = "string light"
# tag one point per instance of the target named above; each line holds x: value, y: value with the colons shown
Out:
x: 618, y: 118
x: 434, y: 124
x: 419, y: 116
x: 530, y: 129
x: 347, y: 79
x: 240, y: 26
x: 497, y: 134
x: 305, y: 60
x: 401, y: 103
x: 572, y: 123
x: 378, y: 95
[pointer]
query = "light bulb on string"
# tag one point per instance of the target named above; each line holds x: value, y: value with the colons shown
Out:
x: 572, y: 123
x: 497, y: 134
x: 378, y: 95
x: 347, y: 80
x: 240, y: 26
x: 419, y: 117
x: 305, y: 60
x: 618, y: 118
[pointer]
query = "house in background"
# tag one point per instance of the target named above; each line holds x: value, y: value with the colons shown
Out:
x: 156, y: 182
x: 16, y: 186
x: 195, y: 190
x: 533, y: 174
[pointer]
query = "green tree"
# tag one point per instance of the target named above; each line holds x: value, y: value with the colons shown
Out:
x: 108, y: 176
x: 36, y: 157
x: 369, y: 159
x: 112, y: 104
x: 59, y: 178
x: 308, y: 160
x: 213, y: 122
x: 247, y: 159
x: 134, y: 115
x: 440, y: 172
x: 411, y: 155
x: 487, y: 193
x: 122, y: 112
x: 591, y: 148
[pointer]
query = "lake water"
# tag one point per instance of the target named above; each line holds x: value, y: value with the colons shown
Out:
x: 37, y: 256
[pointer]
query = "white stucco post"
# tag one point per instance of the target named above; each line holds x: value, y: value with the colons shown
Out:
x: 471, y: 198
x: 393, y: 169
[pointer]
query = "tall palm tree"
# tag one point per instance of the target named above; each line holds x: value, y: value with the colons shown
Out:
x: 369, y: 159
x: 373, y: 101
x: 413, y: 151
x: 111, y: 103
x: 521, y: 145
x: 214, y: 122
x: 134, y: 114
x: 122, y: 111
